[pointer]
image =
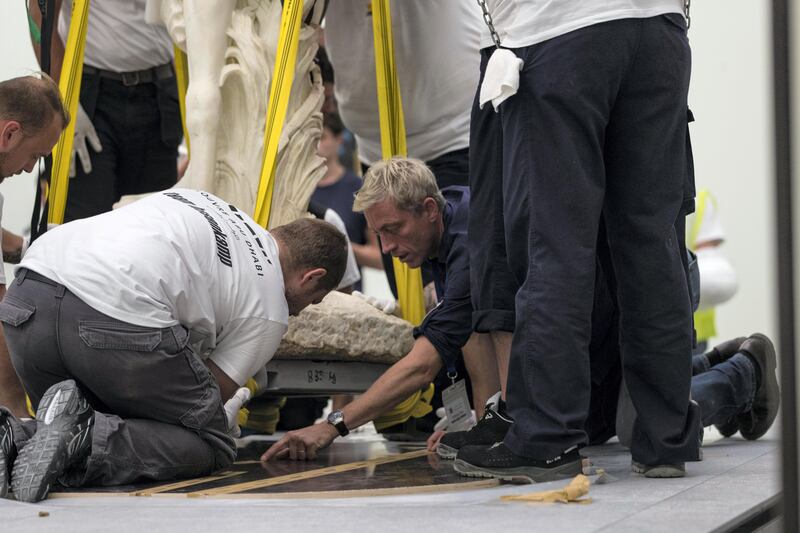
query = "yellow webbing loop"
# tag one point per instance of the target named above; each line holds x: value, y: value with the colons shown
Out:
x: 417, y: 405
x: 182, y: 79
x: 29, y: 405
x: 282, y: 78
x: 393, y: 142
x: 70, y: 86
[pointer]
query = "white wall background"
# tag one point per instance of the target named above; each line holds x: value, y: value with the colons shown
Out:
x: 731, y: 99
x: 731, y: 96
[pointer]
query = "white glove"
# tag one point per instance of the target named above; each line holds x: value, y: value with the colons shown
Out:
x: 84, y: 129
x: 388, y: 305
x: 444, y: 424
x: 232, y: 407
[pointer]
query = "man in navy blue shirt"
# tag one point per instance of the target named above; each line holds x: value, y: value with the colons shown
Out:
x: 416, y: 223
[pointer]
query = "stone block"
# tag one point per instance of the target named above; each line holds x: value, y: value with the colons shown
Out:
x: 346, y: 328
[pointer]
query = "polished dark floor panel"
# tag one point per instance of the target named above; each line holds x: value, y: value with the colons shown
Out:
x: 417, y: 472
x: 346, y: 465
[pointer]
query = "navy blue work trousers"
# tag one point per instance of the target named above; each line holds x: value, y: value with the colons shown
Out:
x: 598, y: 129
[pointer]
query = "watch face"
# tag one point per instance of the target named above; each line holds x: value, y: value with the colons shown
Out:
x: 335, y: 417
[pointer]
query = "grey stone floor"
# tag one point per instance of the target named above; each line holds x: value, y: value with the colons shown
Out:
x: 735, y: 478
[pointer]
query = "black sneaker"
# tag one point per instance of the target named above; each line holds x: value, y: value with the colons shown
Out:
x: 659, y: 471
x: 8, y: 451
x: 755, y: 422
x: 498, y: 461
x: 491, y: 428
x: 63, y: 439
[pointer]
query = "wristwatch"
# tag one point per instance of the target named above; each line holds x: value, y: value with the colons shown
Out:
x: 336, y: 419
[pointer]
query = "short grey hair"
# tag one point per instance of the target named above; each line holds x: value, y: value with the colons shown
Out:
x: 404, y: 180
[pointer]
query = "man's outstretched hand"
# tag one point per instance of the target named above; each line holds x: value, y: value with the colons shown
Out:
x: 303, y: 444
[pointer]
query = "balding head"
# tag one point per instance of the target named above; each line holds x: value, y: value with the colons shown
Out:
x: 32, y: 117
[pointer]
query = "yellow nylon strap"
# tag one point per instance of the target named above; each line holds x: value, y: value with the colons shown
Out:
x: 393, y: 142
x: 70, y: 86
x: 282, y: 78
x: 417, y: 405
x: 702, y: 197
x: 182, y: 79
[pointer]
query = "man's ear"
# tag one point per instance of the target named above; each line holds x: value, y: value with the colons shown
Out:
x: 430, y: 209
x: 10, y: 135
x: 312, y: 275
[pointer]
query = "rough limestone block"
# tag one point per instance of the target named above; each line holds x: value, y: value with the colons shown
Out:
x: 346, y: 328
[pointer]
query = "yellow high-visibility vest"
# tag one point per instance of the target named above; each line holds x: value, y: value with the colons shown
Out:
x: 705, y: 320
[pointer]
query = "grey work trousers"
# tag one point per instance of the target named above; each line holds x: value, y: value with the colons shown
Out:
x: 158, y: 410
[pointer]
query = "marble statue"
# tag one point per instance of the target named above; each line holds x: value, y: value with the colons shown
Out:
x: 231, y: 47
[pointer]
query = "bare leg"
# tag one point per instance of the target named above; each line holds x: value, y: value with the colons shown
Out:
x: 480, y: 362
x: 502, y: 350
x: 206, y: 42
x: 12, y: 396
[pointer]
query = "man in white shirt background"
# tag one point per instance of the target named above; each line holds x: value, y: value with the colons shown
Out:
x: 128, y: 125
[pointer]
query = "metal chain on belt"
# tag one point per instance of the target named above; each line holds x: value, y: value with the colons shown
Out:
x: 487, y: 18
x: 686, y: 5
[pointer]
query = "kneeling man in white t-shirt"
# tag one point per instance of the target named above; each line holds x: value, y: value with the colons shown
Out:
x: 129, y: 330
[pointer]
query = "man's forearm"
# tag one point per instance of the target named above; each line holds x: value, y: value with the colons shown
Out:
x: 56, y: 47
x: 408, y: 375
x: 11, y: 246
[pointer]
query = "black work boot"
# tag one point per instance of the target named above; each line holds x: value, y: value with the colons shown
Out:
x: 498, y: 461
x: 62, y: 441
x: 729, y: 428
x: 755, y: 422
x: 724, y: 351
x: 491, y: 428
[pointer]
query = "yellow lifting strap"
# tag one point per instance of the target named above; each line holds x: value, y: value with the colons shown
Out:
x: 393, y: 142
x: 182, y: 79
x: 70, y: 86
x: 281, y: 85
x: 417, y: 405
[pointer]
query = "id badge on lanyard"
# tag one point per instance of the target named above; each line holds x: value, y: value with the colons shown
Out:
x: 456, y: 404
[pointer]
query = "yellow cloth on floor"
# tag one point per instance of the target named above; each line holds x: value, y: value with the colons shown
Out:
x: 572, y: 493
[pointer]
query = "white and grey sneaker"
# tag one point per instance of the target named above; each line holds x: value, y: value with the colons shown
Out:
x: 63, y: 439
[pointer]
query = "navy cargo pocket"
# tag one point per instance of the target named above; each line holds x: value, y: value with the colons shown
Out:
x: 118, y: 336
x: 15, y: 312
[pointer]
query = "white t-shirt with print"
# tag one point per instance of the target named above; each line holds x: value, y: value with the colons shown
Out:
x: 525, y: 22
x: 117, y: 36
x: 437, y: 60
x: 177, y: 257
